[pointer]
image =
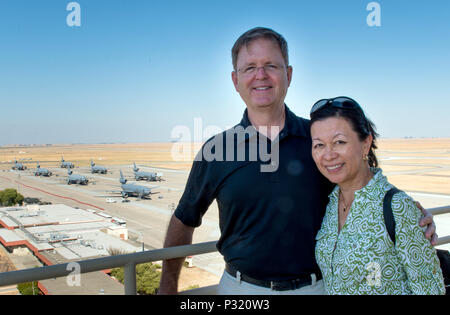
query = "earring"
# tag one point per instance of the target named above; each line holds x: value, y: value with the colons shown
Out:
x: 366, y: 157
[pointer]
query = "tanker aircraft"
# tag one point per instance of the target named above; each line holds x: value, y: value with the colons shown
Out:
x: 18, y: 166
x: 98, y: 169
x: 134, y: 190
x: 148, y: 176
x: 65, y: 164
x: 76, y: 179
x: 42, y: 171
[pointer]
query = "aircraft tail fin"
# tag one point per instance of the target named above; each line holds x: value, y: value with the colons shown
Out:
x: 122, y: 179
x: 135, y: 167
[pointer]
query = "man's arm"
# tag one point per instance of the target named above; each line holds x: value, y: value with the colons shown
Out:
x: 177, y: 234
x: 428, y: 221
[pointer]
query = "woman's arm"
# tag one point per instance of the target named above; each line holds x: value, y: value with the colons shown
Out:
x: 417, y: 256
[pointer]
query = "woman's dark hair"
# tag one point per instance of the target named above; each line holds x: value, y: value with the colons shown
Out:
x: 359, y: 123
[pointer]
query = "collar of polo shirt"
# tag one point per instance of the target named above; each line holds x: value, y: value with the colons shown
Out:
x: 292, y: 126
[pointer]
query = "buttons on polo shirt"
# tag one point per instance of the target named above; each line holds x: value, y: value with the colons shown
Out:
x: 283, y: 134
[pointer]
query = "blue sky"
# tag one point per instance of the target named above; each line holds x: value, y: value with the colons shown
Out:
x: 136, y: 69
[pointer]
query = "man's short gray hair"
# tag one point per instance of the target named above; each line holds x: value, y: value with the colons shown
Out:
x: 257, y: 33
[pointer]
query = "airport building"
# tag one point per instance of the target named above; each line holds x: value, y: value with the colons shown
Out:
x: 52, y: 234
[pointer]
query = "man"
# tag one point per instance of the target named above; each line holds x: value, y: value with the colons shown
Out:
x: 268, y: 219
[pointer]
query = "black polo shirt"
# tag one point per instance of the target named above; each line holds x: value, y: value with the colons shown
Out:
x: 268, y: 220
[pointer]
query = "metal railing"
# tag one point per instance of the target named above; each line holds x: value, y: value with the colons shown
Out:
x: 129, y: 262
x: 437, y: 211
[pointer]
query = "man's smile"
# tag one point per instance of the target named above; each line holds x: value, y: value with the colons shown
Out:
x: 262, y: 88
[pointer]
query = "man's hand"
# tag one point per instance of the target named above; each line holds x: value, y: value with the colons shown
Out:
x: 427, y: 220
x: 177, y: 234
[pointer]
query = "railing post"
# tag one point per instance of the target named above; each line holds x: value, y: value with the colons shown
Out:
x: 129, y: 273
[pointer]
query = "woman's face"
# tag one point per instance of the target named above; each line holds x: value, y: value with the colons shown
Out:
x: 338, y: 152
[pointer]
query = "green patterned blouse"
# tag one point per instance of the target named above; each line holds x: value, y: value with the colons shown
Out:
x: 361, y: 258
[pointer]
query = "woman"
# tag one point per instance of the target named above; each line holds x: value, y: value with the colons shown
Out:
x: 354, y: 250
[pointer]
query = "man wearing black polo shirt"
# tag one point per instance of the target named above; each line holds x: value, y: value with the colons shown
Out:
x: 270, y: 209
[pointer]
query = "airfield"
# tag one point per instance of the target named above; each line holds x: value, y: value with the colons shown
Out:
x: 421, y: 167
x: 147, y: 219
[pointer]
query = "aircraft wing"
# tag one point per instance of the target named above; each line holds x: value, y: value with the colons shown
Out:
x: 111, y: 192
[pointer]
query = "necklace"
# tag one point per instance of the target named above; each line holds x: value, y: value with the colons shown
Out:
x: 343, y: 200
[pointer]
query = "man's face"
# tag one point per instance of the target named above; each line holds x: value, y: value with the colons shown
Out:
x: 266, y: 84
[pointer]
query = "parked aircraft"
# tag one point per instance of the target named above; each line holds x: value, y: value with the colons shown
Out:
x: 149, y: 176
x: 76, y: 179
x: 18, y: 166
x: 42, y: 171
x: 134, y: 190
x: 98, y: 169
x: 65, y: 164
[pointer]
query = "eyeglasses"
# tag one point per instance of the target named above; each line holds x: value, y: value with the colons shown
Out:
x: 342, y: 102
x: 269, y: 68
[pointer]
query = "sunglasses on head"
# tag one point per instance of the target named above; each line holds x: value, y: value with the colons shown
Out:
x: 336, y: 102
x: 341, y: 102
